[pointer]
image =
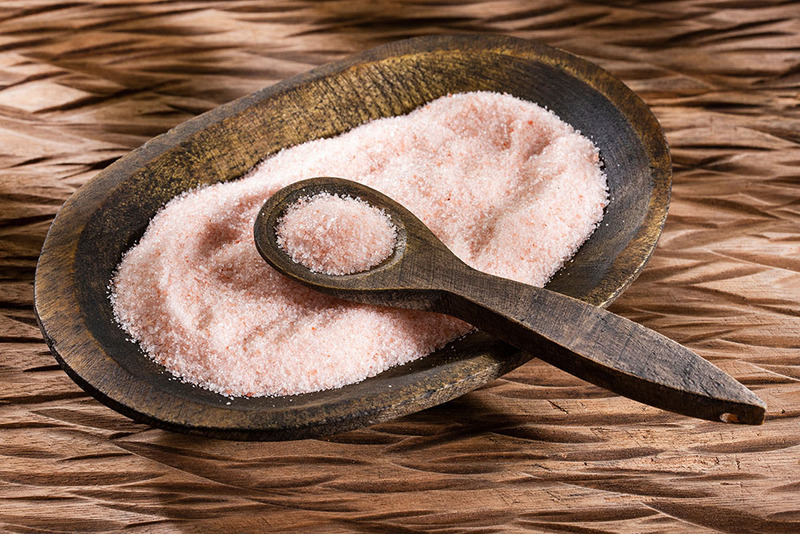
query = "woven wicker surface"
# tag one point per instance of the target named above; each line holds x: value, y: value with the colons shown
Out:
x: 82, y: 84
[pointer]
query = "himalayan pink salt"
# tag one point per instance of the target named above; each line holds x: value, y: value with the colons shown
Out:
x: 336, y: 235
x: 504, y: 183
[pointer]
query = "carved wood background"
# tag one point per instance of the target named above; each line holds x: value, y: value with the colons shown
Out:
x: 81, y: 84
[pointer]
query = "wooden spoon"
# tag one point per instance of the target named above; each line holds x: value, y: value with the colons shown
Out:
x: 586, y: 341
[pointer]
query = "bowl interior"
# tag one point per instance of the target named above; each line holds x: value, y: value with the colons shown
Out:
x: 110, y: 213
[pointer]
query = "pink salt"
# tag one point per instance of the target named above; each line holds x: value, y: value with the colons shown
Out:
x: 507, y: 185
x: 336, y: 235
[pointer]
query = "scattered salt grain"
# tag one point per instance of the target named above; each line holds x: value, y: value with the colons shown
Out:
x: 506, y: 184
x: 336, y: 235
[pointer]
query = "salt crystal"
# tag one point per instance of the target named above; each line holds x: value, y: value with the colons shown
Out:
x: 336, y: 235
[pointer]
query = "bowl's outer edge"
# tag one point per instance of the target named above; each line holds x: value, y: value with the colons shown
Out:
x: 81, y: 355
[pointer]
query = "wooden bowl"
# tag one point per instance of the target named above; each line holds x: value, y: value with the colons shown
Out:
x: 110, y: 213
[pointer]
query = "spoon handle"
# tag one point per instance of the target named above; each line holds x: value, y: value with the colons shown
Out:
x: 600, y: 347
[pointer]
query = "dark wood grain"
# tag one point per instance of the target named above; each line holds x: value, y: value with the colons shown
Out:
x: 82, y: 84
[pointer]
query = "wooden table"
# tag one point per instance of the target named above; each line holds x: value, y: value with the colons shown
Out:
x: 83, y: 84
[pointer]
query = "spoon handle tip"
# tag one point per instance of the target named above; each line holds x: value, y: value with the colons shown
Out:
x: 602, y: 348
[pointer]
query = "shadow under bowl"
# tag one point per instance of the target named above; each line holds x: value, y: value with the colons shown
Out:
x: 109, y: 214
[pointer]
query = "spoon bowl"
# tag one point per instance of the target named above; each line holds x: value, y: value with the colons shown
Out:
x: 381, y: 284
